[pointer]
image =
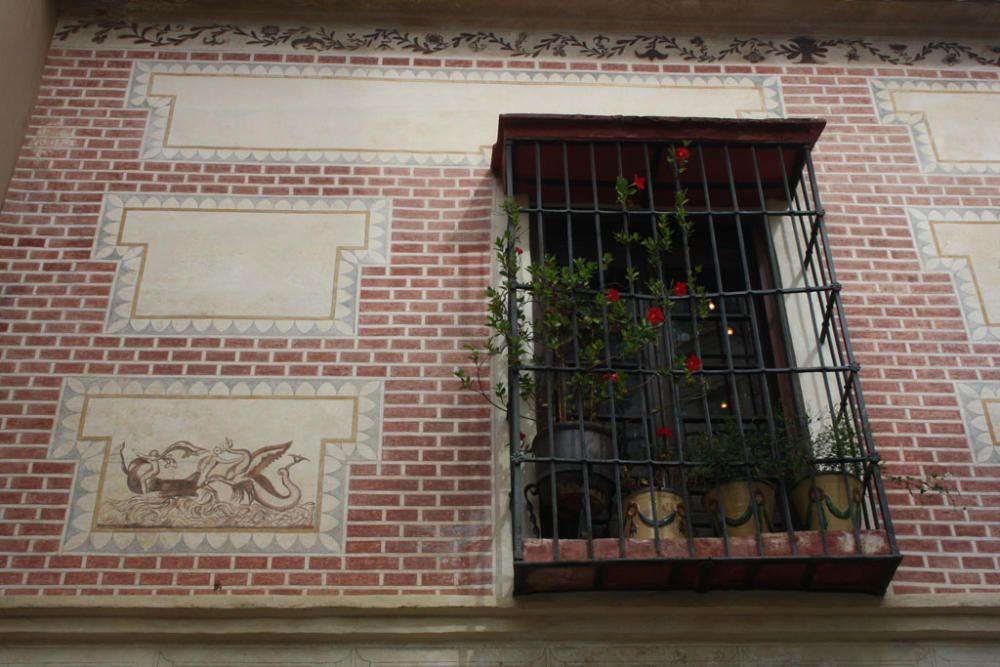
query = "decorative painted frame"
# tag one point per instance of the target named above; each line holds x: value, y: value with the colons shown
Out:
x: 983, y: 432
x: 923, y: 141
x: 966, y: 286
x: 344, y: 318
x: 327, y: 538
x: 161, y: 106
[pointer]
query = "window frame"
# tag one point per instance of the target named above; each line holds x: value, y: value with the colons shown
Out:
x: 802, y: 134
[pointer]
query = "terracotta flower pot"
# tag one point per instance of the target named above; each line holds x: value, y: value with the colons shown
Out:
x: 830, y: 503
x: 642, y: 522
x: 738, y: 507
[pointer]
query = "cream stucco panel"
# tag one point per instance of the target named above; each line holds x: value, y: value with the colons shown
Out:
x: 991, y: 412
x: 228, y: 450
x: 180, y: 465
x: 955, y: 124
x: 347, y: 112
x: 958, y: 122
x: 979, y: 244
x: 239, y: 264
x: 259, y: 265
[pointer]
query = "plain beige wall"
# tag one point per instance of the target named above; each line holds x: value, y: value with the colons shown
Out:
x: 25, y: 31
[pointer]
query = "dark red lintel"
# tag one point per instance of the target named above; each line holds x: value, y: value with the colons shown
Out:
x: 554, y: 127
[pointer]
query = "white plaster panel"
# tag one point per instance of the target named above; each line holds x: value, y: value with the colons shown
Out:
x: 254, y: 265
x: 135, y: 426
x: 955, y: 124
x: 243, y: 264
x: 290, y: 113
x: 980, y: 406
x: 188, y: 466
x: 979, y: 244
x: 965, y: 242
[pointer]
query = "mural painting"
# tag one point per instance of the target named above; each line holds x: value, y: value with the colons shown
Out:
x: 187, y: 486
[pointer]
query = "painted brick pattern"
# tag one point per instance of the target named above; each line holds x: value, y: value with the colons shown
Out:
x: 421, y: 521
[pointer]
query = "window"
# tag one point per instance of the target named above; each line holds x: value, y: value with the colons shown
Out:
x: 690, y: 414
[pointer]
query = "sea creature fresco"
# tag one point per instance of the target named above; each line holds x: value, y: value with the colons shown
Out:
x: 186, y: 485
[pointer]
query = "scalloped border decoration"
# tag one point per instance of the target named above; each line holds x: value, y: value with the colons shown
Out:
x: 966, y: 290
x: 983, y: 432
x: 160, y: 106
x: 917, y: 122
x: 345, y: 323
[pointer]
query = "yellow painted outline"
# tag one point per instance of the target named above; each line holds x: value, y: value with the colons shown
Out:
x: 133, y: 314
x: 172, y: 103
x: 967, y: 258
x: 926, y: 123
x: 989, y: 420
x: 108, y: 444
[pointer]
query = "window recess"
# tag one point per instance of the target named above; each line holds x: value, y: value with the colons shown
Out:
x: 690, y: 412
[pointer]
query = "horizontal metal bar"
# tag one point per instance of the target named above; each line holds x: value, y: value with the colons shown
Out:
x: 705, y: 371
x: 833, y: 287
x: 642, y: 211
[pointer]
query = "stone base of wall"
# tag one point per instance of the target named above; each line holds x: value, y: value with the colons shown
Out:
x: 521, y: 654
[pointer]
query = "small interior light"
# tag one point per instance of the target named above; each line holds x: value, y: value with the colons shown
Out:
x: 711, y: 305
x: 724, y: 405
x: 730, y: 331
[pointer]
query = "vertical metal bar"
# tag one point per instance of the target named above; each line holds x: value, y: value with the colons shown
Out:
x: 855, y: 372
x: 730, y: 378
x: 759, y: 354
x: 550, y: 422
x: 513, y: 398
x: 786, y: 332
x: 678, y: 188
x: 666, y: 347
x: 647, y: 435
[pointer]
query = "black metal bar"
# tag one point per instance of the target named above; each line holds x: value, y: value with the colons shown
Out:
x: 514, y: 407
x: 759, y: 355
x: 855, y: 372
x: 748, y: 370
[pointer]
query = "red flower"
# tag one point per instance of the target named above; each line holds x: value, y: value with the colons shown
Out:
x: 519, y: 250
x: 522, y: 435
x: 680, y: 289
x: 639, y: 182
x: 654, y: 316
x: 693, y: 364
x: 682, y: 153
x: 613, y: 295
x: 664, y: 432
x: 611, y: 377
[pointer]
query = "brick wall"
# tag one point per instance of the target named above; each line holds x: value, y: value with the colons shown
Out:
x: 420, y: 520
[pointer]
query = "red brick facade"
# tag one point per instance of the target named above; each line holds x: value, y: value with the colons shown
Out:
x: 421, y: 520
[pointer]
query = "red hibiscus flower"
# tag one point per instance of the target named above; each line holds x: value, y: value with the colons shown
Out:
x: 682, y: 153
x: 611, y: 377
x: 613, y: 295
x: 519, y: 250
x: 680, y: 289
x: 693, y: 364
x: 522, y: 435
x: 655, y: 316
x: 664, y: 432
x: 639, y: 182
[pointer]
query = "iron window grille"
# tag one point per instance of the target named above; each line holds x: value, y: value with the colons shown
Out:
x: 768, y: 331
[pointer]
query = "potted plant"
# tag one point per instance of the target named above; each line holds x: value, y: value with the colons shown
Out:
x: 560, y: 316
x: 737, y: 466
x: 651, y: 507
x: 827, y: 487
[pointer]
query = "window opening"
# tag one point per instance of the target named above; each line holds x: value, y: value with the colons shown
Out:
x: 681, y: 399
